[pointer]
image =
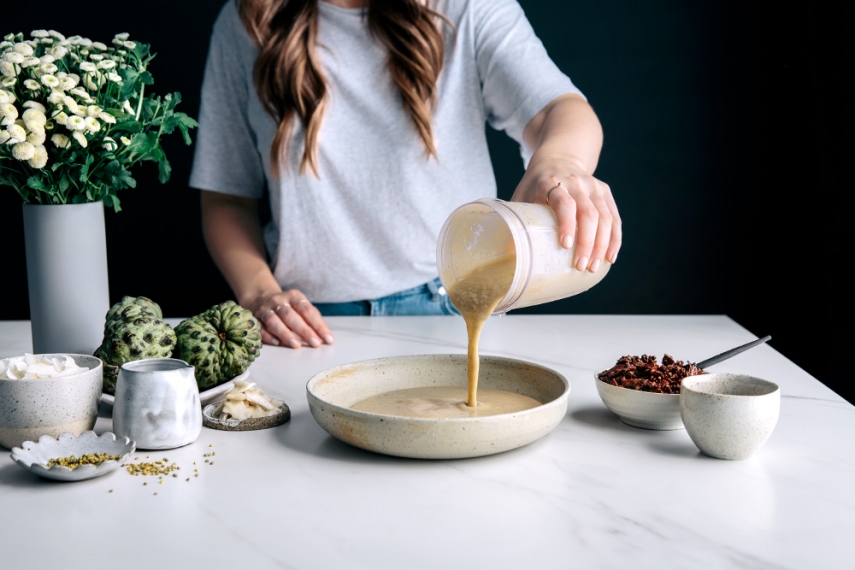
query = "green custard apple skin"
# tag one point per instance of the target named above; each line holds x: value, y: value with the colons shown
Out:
x: 220, y: 343
x: 129, y: 307
x: 143, y: 337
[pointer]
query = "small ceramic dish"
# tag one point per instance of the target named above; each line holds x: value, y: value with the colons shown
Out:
x: 648, y: 410
x: 205, y: 397
x: 208, y: 420
x: 34, y: 456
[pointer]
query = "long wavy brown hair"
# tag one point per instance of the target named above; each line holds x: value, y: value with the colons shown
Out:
x: 291, y: 84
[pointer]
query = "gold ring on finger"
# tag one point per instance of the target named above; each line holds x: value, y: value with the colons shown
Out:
x: 548, y: 192
x: 266, y: 314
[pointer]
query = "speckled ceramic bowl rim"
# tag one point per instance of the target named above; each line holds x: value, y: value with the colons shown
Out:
x: 712, y: 377
x: 561, y: 400
x: 62, y: 378
x: 650, y: 395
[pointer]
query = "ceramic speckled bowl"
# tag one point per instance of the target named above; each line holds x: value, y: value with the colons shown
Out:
x: 332, y: 393
x: 30, y: 409
x: 729, y: 416
x: 648, y: 410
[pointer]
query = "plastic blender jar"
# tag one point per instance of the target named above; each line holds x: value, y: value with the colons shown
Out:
x: 487, y: 229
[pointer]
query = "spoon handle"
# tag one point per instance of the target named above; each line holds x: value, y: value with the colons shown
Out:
x: 732, y: 352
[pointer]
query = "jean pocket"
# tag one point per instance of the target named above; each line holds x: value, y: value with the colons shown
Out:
x: 447, y: 307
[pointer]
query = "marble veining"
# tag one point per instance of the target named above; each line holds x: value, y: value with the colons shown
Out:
x: 593, y: 493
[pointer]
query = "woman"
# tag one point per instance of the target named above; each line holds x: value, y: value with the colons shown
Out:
x: 364, y: 119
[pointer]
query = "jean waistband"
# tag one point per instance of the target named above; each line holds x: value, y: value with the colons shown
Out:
x: 434, y: 287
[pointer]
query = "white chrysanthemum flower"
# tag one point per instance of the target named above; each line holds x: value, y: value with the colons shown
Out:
x: 74, y: 56
x: 6, y: 97
x: 92, y: 125
x: 117, y: 42
x: 9, y: 113
x: 40, y: 34
x: 34, y: 116
x: 58, y: 52
x: 14, y: 57
x: 74, y: 77
x: 80, y: 138
x: 61, y: 75
x: 32, y: 84
x: 50, y: 81
x: 99, y: 46
x: 47, y: 58
x: 8, y: 69
x: 35, y: 105
x: 84, y: 52
x: 17, y: 133
x: 46, y: 41
x: 126, y: 106
x: 123, y: 36
x: 86, y: 42
x: 74, y: 39
x: 88, y: 66
x: 24, y: 49
x: 5, y: 44
x: 76, y: 123
x: 107, y: 118
x: 96, y: 57
x: 49, y: 126
x: 121, y: 52
x: 9, y: 82
x: 23, y: 151
x: 70, y: 103
x: 40, y: 157
x: 61, y: 118
x: 67, y: 84
x: 125, y: 140
x: 4, y: 137
x: 82, y: 93
x: 114, y: 77
x: 93, y: 111
x: 55, y: 97
x: 57, y: 35
x: 92, y: 81
x: 60, y: 141
x: 107, y: 64
x: 32, y: 62
x: 110, y: 144
x: 49, y: 68
x: 32, y: 43
x: 37, y: 137
x: 130, y: 45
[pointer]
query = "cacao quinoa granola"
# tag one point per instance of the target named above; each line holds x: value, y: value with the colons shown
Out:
x: 646, y: 374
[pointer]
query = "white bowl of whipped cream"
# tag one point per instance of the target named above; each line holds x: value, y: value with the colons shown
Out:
x: 48, y: 394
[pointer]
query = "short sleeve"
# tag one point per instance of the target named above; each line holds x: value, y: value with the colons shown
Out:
x: 226, y: 158
x: 518, y: 79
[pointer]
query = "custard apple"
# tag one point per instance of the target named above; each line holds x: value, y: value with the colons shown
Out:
x: 124, y: 341
x: 221, y: 343
x: 130, y: 308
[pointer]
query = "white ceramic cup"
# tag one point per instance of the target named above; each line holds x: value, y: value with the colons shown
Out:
x: 33, y: 408
x: 157, y: 403
x: 729, y: 416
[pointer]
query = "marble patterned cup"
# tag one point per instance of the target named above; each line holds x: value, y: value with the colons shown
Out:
x: 33, y: 408
x: 729, y: 416
x: 157, y: 403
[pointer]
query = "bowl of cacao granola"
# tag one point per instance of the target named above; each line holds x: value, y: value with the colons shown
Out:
x: 645, y: 393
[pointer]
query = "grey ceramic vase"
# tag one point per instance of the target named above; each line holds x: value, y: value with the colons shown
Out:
x: 66, y: 250
x: 157, y: 403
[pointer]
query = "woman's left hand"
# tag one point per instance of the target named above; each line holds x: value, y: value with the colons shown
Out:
x: 584, y: 206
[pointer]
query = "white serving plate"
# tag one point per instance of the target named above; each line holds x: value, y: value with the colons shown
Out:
x: 205, y: 397
x: 332, y: 394
x: 34, y: 456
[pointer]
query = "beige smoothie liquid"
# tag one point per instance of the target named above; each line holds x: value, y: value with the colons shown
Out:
x: 475, y: 296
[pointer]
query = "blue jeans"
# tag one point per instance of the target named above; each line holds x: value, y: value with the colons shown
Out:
x: 427, y: 299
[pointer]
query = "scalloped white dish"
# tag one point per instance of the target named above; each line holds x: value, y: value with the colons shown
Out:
x: 34, y: 456
x: 205, y: 397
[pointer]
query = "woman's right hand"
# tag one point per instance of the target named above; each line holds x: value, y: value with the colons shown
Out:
x: 288, y: 318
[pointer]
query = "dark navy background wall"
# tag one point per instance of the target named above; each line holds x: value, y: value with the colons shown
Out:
x: 724, y: 126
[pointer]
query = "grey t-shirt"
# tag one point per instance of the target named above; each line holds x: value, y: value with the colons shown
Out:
x: 368, y: 226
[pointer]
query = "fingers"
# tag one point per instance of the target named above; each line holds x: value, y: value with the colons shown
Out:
x: 293, y: 323
x: 588, y: 210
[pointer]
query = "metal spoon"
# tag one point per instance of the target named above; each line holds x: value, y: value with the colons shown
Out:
x: 732, y: 352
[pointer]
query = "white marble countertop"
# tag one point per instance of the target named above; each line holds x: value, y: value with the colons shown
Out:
x: 594, y: 493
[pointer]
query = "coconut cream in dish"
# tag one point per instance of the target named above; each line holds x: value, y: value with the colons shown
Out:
x: 42, y: 367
